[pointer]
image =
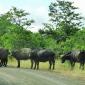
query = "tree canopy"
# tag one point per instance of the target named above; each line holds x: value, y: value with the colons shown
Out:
x: 62, y: 33
x: 64, y: 20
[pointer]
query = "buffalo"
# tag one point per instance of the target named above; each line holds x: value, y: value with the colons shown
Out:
x: 22, y: 54
x: 82, y: 59
x: 42, y: 56
x: 72, y: 57
x: 4, y: 56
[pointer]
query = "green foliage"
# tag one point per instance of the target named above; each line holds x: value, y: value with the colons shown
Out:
x: 19, y: 17
x: 75, y: 42
x: 15, y: 35
x: 64, y: 12
x: 64, y: 20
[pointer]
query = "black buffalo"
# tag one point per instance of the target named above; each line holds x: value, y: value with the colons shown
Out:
x: 42, y: 56
x: 82, y: 59
x: 72, y: 57
x: 19, y: 55
x: 4, y: 56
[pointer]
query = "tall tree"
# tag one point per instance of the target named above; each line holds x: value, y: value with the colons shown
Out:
x: 63, y: 18
x: 13, y: 25
x: 63, y: 15
x: 19, y: 17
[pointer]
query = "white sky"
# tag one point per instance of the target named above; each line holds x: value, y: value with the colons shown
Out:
x: 37, y: 8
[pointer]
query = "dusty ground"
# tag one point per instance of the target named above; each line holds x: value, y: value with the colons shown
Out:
x: 15, y: 76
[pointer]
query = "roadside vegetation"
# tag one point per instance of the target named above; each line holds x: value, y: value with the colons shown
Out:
x: 64, y: 32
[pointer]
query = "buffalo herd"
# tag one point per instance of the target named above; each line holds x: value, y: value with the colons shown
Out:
x: 41, y: 55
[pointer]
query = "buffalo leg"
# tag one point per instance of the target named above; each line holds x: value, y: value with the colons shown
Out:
x: 5, y: 62
x: 82, y: 65
x: 53, y: 65
x: 50, y: 64
x: 37, y: 65
x: 2, y: 62
x: 72, y: 65
x: 31, y: 64
x: 18, y: 63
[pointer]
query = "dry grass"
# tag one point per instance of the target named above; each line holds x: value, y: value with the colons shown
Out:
x: 63, y: 69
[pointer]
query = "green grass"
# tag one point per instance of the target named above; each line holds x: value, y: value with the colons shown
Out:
x: 63, y: 69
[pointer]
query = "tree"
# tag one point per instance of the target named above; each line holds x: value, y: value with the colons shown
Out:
x: 13, y: 32
x: 4, y: 25
x: 63, y: 17
x: 19, y: 17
